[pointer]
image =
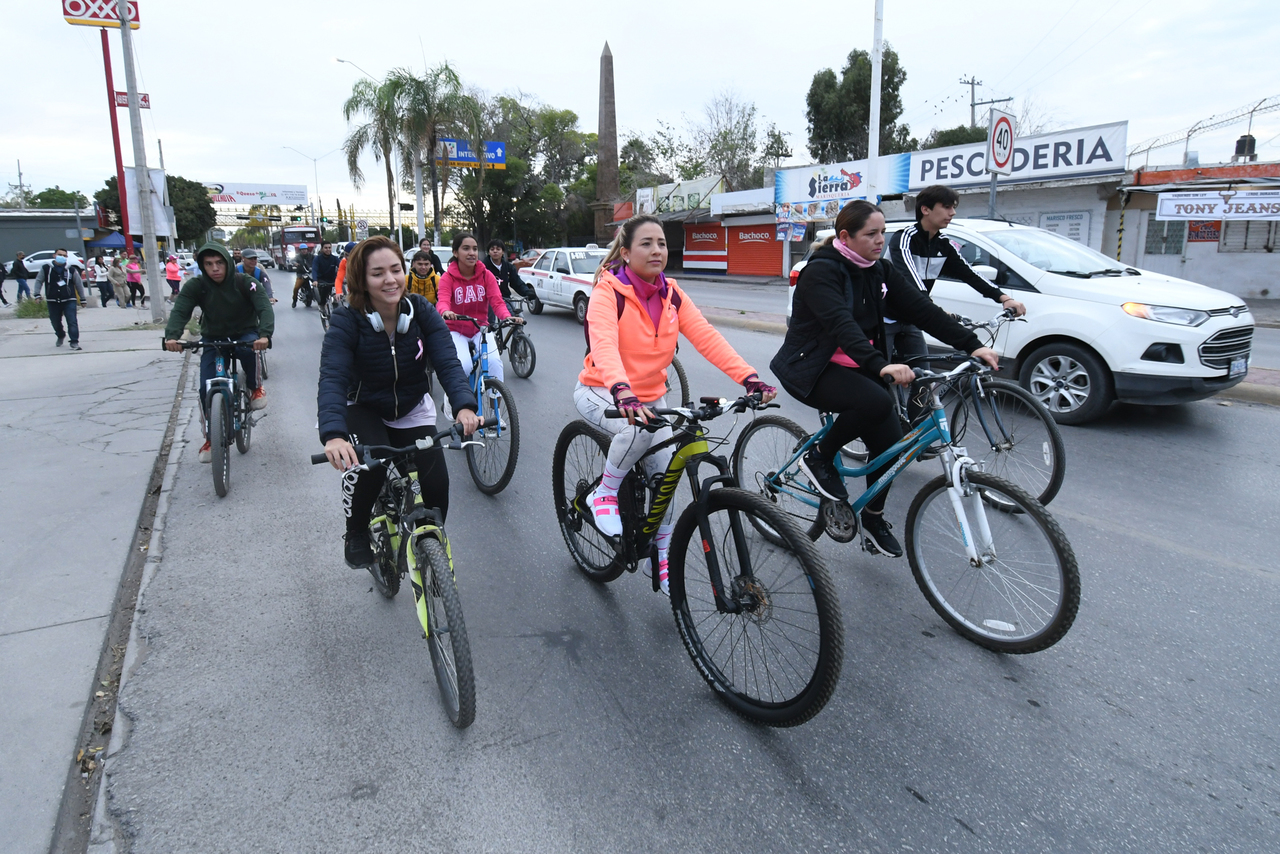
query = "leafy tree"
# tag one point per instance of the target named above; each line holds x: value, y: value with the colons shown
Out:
x: 638, y: 166
x: 57, y: 198
x: 839, y: 110
x: 376, y: 103
x: 958, y: 135
x: 192, y: 211
x: 726, y: 139
x: 776, y: 148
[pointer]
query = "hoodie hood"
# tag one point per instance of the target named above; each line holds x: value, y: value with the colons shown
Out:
x: 221, y: 250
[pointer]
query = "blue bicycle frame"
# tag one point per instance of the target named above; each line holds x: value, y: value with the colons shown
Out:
x: 479, y: 372
x: 932, y: 430
x: 224, y: 380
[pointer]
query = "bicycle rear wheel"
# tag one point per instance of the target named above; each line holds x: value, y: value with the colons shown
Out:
x: 446, y: 632
x: 1025, y: 595
x: 1021, y: 442
x: 576, y: 468
x: 763, y: 448
x: 777, y: 661
x: 493, y: 465
x: 220, y: 441
x: 523, y: 356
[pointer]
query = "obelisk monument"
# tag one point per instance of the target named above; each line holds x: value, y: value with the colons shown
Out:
x: 608, y: 189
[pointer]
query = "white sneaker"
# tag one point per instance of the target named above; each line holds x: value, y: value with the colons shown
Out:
x: 605, y: 510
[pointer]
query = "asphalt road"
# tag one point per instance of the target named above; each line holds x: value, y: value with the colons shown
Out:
x: 283, y: 705
x: 1266, y: 348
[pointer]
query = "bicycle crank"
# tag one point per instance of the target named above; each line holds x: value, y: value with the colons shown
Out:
x: 839, y: 521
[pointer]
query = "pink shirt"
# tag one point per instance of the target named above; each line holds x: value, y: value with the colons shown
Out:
x: 133, y: 271
x: 171, y: 271
x: 472, y: 297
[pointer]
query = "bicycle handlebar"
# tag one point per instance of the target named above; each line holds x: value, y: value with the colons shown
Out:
x: 382, y: 453
x: 713, y: 407
x: 216, y: 343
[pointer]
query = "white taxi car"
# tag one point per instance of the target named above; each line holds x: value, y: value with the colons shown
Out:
x: 1097, y: 331
x: 562, y: 278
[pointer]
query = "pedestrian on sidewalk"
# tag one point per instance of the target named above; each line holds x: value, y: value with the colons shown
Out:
x: 3, y: 273
x: 119, y: 283
x: 19, y: 272
x: 133, y: 272
x: 173, y: 275
x: 61, y: 285
x: 98, y: 273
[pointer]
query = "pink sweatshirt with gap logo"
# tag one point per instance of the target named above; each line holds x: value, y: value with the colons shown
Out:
x: 472, y: 297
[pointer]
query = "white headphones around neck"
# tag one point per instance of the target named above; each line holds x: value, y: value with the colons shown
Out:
x: 402, y: 322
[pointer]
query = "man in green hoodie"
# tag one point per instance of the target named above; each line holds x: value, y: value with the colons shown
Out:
x: 235, y: 306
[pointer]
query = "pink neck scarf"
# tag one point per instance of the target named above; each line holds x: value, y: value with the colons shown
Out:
x: 854, y: 257
x: 650, y: 294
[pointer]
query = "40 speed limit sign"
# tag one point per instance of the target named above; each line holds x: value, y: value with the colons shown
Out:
x: 1000, y: 144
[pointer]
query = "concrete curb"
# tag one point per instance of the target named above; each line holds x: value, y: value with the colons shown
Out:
x: 748, y: 323
x: 1253, y: 393
x: 104, y: 833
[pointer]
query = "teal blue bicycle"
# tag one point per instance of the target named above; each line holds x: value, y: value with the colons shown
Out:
x: 988, y: 557
x: 494, y: 462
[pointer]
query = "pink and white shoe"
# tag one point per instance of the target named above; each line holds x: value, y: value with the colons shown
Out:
x: 662, y: 577
x: 605, y: 509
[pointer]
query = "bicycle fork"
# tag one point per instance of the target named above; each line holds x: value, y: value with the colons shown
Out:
x: 980, y: 549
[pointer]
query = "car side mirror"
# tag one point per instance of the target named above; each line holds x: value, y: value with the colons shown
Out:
x: 985, y: 271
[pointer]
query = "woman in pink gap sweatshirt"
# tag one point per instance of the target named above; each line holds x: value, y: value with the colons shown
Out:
x: 468, y: 289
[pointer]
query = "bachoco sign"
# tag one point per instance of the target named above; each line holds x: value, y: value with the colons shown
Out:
x: 818, y: 192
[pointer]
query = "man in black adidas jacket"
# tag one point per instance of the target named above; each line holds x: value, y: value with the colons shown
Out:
x: 921, y: 253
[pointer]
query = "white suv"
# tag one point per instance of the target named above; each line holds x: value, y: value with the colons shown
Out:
x: 1097, y: 331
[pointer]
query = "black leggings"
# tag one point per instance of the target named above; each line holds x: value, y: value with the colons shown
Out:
x: 366, y: 428
x: 866, y: 412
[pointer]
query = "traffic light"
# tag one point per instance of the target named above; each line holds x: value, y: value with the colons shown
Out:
x: 295, y: 219
x: 406, y: 206
x: 324, y: 219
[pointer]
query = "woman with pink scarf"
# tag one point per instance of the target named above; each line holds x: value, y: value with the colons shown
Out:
x: 834, y: 357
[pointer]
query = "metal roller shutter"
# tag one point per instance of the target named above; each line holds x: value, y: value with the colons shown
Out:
x: 754, y: 250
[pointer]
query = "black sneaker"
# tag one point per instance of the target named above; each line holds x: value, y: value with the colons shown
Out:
x: 358, y: 552
x: 878, y: 535
x: 822, y: 472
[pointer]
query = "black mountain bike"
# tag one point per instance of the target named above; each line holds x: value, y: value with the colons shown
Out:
x: 516, y: 339
x: 759, y: 618
x: 409, y: 538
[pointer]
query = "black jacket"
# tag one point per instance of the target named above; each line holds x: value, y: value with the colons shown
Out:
x: 325, y: 269
x: 508, y: 277
x: 358, y: 363
x: 921, y: 259
x: 838, y: 304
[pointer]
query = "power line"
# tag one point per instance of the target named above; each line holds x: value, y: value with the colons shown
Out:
x: 1048, y: 65
x: 1096, y: 42
x: 1046, y: 35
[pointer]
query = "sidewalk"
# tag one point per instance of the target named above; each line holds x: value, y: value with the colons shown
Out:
x: 1266, y: 312
x: 83, y: 430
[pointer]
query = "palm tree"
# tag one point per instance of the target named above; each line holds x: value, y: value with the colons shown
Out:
x: 430, y: 107
x: 376, y: 102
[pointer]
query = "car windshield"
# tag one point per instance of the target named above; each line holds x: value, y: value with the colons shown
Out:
x: 586, y: 261
x: 1054, y: 253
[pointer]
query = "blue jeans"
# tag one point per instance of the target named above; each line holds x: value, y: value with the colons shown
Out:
x: 23, y: 289
x: 243, y: 354
x: 59, y: 310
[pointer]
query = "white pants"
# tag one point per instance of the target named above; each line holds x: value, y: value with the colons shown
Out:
x: 463, y: 344
x: 629, y: 443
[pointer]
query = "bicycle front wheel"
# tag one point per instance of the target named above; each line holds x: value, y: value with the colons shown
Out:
x: 493, y: 464
x: 446, y: 632
x: 523, y: 356
x: 262, y: 365
x: 576, y: 468
x: 1015, y: 438
x: 1025, y: 594
x: 778, y: 658
x: 220, y: 441
x: 763, y: 448
x: 244, y: 436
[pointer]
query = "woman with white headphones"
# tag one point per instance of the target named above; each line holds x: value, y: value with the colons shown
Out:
x: 374, y: 384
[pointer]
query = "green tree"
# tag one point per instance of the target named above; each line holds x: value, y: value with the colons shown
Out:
x: 57, y: 198
x: 376, y: 104
x: 430, y: 107
x: 726, y: 139
x: 192, y: 211
x: 958, y: 135
x: 776, y: 148
x: 839, y: 110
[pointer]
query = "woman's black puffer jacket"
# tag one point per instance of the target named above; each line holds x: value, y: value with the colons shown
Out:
x: 358, y: 364
x: 838, y: 304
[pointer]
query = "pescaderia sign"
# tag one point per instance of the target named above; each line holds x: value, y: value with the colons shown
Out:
x: 257, y: 194
x: 814, y: 193
x: 1219, y: 205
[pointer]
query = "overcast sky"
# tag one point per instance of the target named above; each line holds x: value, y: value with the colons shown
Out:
x: 234, y: 82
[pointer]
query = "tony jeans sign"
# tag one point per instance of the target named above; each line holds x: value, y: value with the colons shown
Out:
x: 1219, y: 205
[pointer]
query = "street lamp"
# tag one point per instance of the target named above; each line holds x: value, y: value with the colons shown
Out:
x: 316, y: 171
x: 357, y: 68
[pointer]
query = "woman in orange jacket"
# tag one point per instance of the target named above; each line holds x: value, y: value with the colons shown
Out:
x: 634, y: 319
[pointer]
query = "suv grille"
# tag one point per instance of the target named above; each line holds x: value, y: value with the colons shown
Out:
x: 1220, y: 349
x: 1234, y: 311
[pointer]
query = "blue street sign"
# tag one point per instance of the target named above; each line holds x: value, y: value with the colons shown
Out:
x: 458, y: 152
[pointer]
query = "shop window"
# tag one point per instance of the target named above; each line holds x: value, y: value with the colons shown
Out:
x: 1006, y: 277
x: 1248, y: 235
x: 1165, y: 238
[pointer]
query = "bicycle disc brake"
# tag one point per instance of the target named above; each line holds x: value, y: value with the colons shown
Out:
x: 839, y: 521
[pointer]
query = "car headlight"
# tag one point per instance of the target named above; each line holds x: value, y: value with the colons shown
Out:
x: 1166, y: 314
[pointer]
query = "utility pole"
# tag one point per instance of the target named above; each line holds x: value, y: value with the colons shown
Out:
x: 973, y: 83
x: 873, y: 123
x: 22, y: 193
x: 141, y: 175
x: 168, y: 203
